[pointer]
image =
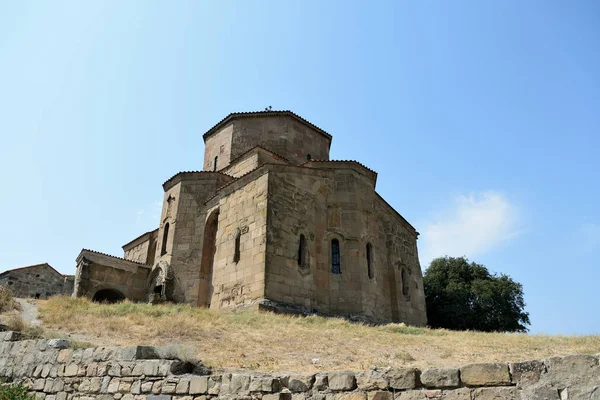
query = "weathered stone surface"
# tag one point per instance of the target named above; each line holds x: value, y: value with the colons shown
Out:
x: 37, y: 281
x: 199, y: 385
x: 529, y: 371
x: 380, y: 395
x: 402, y: 378
x: 277, y: 396
x: 239, y: 383
x: 440, y: 378
x: 321, y: 382
x: 182, y: 387
x: 59, y: 343
x: 300, y: 382
x: 264, y: 384
x: 371, y: 379
x: 412, y: 395
x: 139, y: 353
x: 159, y: 397
x: 496, y: 393
x: 341, y: 380
x: 457, y: 394
x: 347, y: 396
x: 485, y: 374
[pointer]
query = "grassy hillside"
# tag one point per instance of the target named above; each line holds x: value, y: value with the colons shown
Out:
x: 274, y: 342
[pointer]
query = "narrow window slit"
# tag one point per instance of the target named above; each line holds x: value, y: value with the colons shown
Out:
x: 335, y: 257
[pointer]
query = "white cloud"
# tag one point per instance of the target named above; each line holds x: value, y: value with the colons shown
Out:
x: 471, y: 226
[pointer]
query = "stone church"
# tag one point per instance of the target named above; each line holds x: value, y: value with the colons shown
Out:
x: 270, y: 222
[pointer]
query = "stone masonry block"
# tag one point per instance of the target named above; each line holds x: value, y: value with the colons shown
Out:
x: 402, y: 378
x: 440, y: 378
x: 380, y: 395
x: 496, y: 393
x: 457, y: 394
x: 485, y: 374
x: 182, y: 387
x: 321, y: 382
x: 300, y: 382
x: 371, y: 379
x: 526, y: 371
x: 341, y: 380
x: 265, y: 384
x: 199, y: 385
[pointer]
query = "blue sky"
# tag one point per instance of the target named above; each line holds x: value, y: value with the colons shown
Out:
x: 481, y: 118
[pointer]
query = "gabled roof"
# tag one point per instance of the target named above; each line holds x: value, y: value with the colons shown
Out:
x: 33, y: 266
x: 97, y: 254
x: 255, y: 114
x: 139, y: 237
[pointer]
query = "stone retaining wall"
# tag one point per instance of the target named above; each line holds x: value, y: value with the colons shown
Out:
x: 52, y: 370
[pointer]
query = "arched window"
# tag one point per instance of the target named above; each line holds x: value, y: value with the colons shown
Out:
x: 335, y: 257
x: 236, y: 254
x: 308, y: 157
x: 404, y: 282
x: 370, y: 260
x: 163, y: 248
x: 302, y: 251
x: 215, y: 164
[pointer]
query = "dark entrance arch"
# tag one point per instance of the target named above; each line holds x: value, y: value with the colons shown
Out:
x: 108, y: 296
x: 209, y: 248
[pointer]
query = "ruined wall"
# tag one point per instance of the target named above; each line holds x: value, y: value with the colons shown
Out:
x: 51, y: 370
x: 323, y: 205
x: 185, y: 212
x: 97, y: 272
x: 219, y: 145
x: 242, y: 211
x: 39, y: 281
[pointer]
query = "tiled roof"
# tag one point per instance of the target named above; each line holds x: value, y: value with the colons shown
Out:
x: 143, y: 234
x: 32, y: 266
x: 108, y: 255
x: 254, y: 114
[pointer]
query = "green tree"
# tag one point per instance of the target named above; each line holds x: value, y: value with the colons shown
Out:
x: 466, y: 296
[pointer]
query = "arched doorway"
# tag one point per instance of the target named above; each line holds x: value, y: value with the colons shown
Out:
x: 108, y: 296
x: 209, y: 248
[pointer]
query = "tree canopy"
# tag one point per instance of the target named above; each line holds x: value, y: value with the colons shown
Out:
x: 466, y: 296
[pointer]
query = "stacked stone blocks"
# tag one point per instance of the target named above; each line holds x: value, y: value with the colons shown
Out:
x: 54, y: 371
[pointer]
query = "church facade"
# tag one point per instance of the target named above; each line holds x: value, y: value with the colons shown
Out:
x: 270, y: 222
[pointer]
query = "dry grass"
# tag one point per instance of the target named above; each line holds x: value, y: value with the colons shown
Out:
x: 7, y: 300
x: 274, y: 342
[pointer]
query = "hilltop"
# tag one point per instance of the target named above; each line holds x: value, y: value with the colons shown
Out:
x: 265, y: 341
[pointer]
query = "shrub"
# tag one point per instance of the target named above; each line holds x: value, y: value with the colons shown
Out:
x: 7, y: 300
x: 14, y: 392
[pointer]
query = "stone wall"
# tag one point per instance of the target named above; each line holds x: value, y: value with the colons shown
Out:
x: 37, y: 281
x: 339, y: 203
x: 282, y: 134
x: 218, y: 145
x: 142, y: 249
x: 242, y: 209
x: 54, y: 371
x: 100, y: 272
x: 185, y: 213
x: 251, y: 160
